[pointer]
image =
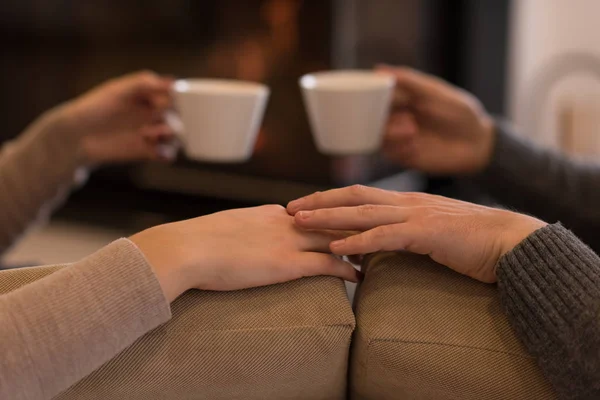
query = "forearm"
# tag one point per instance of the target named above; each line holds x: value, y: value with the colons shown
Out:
x: 59, y: 329
x: 36, y: 172
x: 550, y: 288
x: 545, y: 184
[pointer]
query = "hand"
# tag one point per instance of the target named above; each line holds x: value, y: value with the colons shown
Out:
x: 122, y: 120
x: 435, y: 127
x: 238, y: 249
x: 466, y: 237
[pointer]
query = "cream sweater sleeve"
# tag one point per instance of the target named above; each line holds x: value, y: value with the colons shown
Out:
x: 57, y: 330
x: 36, y: 172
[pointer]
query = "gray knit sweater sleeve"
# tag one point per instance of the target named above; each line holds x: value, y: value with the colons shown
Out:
x: 550, y: 288
x: 544, y: 183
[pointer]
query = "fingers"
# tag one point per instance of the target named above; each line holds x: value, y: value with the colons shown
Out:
x: 129, y: 147
x: 161, y: 101
x: 159, y: 142
x: 315, y: 264
x: 166, y: 151
x: 149, y: 82
x: 405, y: 153
x: 346, y: 197
x: 401, y: 152
x: 382, y: 238
x: 318, y: 240
x: 402, y: 126
x: 158, y: 132
x: 149, y: 87
x: 359, y: 218
x: 400, y: 136
x: 415, y: 83
x: 401, y: 97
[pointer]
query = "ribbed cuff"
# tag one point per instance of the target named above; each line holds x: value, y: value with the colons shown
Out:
x: 547, y: 279
x: 550, y: 288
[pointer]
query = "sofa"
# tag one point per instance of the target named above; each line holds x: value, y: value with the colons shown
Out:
x: 416, y: 330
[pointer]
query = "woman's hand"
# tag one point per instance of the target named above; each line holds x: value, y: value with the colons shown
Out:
x: 238, y: 249
x: 122, y: 120
x: 465, y: 237
x: 435, y: 127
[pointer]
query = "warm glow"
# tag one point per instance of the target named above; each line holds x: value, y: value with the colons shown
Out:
x: 261, y: 141
x: 251, y: 61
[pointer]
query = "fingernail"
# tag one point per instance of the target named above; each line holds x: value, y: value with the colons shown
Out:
x: 305, y: 214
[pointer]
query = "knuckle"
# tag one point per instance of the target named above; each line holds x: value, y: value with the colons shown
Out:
x: 410, y: 246
x: 426, y: 215
x: 366, y: 210
x: 413, y: 195
x: 410, y: 196
x: 147, y: 74
x: 315, y: 196
x: 357, y: 190
x: 401, y: 73
x: 382, y: 232
x: 148, y: 77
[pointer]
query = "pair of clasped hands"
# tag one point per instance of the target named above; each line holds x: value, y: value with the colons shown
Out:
x: 434, y: 127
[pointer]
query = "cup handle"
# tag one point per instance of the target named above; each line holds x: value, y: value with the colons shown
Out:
x: 174, y: 121
x: 169, y: 150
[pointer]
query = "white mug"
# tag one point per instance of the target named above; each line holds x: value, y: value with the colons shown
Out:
x: 347, y: 110
x: 218, y: 120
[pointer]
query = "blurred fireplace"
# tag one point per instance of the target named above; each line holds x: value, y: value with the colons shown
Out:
x: 56, y: 50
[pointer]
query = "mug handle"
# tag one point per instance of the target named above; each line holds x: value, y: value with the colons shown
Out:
x: 174, y: 121
x: 170, y: 150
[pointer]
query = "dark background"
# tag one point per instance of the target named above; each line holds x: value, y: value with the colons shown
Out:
x: 55, y: 50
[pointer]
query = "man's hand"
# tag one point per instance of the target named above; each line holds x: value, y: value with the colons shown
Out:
x: 466, y: 237
x: 435, y: 127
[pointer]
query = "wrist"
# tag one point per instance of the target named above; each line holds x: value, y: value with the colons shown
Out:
x: 67, y: 128
x: 170, y: 275
x: 521, y: 228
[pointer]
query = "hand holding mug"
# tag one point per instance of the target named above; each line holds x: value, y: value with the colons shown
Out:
x: 122, y: 119
x: 466, y: 237
x: 435, y: 127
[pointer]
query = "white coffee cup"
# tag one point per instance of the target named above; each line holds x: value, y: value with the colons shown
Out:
x: 218, y: 120
x: 347, y: 110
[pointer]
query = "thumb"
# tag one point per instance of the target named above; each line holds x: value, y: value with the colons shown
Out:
x: 410, y: 82
x: 384, y: 67
x: 150, y: 87
x: 147, y: 82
